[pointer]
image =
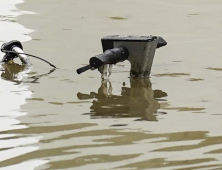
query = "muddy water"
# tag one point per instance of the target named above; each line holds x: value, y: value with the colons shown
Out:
x: 56, y: 119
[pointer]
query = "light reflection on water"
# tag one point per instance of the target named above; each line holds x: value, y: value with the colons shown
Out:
x: 13, y: 92
x: 15, y: 95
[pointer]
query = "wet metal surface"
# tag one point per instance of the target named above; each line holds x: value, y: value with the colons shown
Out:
x: 56, y: 119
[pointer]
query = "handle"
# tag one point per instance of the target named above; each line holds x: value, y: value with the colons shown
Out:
x: 83, y: 69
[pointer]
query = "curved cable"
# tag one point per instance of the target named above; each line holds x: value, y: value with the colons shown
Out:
x: 6, y: 51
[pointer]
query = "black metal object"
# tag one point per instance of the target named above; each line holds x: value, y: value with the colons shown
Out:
x: 108, y: 41
x: 111, y: 56
x: 8, y: 47
x: 161, y: 42
x: 118, y: 48
x: 83, y: 69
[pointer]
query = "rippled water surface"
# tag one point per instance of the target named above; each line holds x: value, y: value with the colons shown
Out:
x: 56, y: 119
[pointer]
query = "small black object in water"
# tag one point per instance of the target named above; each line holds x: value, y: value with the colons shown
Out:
x: 14, y: 49
x: 9, y: 47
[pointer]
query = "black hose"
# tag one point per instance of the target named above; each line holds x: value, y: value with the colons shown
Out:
x: 6, y: 51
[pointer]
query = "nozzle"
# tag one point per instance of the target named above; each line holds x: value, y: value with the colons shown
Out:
x: 111, y: 56
x: 83, y: 69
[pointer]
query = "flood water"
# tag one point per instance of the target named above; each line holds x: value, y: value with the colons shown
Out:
x: 56, y: 119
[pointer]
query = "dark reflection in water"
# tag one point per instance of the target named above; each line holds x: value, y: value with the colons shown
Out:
x: 15, y: 72
x: 136, y: 101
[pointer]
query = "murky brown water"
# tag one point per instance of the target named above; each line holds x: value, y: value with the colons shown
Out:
x: 56, y: 119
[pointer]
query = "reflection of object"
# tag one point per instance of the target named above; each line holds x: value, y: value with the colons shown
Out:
x: 15, y: 72
x: 142, y: 100
x: 136, y: 101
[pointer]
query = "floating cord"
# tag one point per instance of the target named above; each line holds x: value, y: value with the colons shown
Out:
x: 6, y: 51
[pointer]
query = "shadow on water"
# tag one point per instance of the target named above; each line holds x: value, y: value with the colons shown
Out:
x: 137, y: 101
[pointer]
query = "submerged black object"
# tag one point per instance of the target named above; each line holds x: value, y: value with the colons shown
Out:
x: 111, y: 56
x: 11, y: 54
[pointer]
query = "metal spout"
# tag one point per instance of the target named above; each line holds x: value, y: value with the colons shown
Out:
x: 111, y: 56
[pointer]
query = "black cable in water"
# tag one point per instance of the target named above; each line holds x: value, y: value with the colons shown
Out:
x: 6, y: 51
